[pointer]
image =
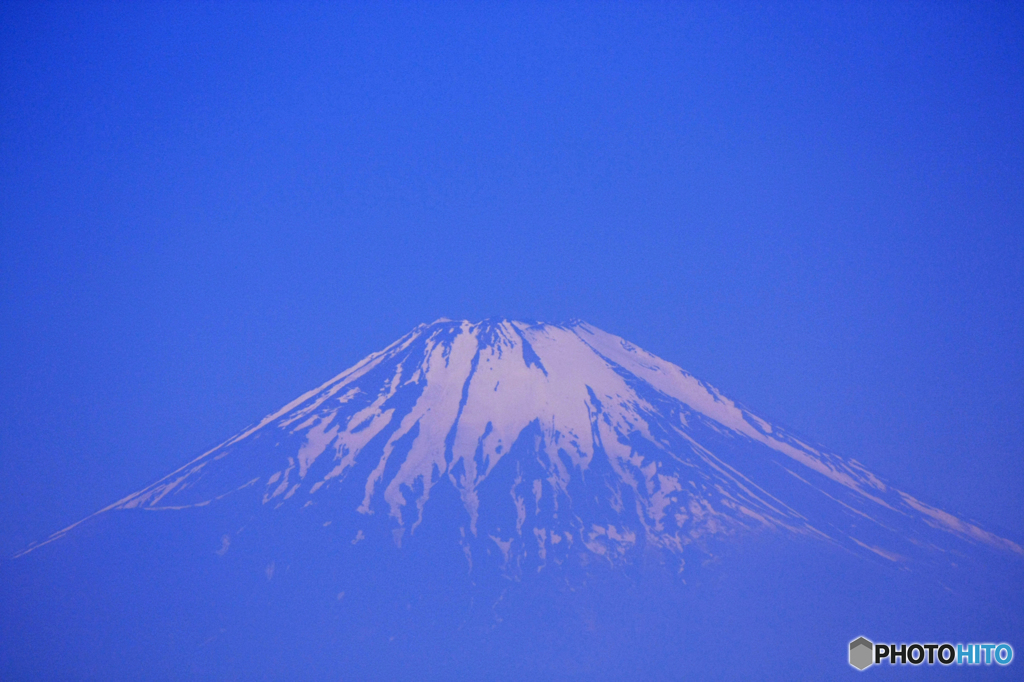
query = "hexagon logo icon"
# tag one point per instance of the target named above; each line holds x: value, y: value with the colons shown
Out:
x: 862, y: 653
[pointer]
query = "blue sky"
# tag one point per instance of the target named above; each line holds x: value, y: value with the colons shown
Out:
x: 206, y: 210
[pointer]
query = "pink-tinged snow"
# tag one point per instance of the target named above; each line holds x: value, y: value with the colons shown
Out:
x: 571, y: 384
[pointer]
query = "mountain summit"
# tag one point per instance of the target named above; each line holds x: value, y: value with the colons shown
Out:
x: 558, y: 440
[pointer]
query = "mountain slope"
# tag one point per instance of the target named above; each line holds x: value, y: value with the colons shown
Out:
x: 558, y: 439
x: 509, y: 501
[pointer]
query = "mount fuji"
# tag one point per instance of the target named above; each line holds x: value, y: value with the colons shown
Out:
x: 501, y: 499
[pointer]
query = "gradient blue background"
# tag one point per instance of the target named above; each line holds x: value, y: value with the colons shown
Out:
x: 206, y: 210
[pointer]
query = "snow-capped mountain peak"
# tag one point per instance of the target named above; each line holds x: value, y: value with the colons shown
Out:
x: 557, y: 439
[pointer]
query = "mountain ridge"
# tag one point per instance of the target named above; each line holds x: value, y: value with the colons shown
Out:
x: 633, y: 448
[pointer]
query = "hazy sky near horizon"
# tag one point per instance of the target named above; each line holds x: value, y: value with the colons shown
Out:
x: 208, y: 209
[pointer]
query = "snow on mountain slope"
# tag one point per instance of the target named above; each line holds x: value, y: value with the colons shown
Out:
x: 558, y: 439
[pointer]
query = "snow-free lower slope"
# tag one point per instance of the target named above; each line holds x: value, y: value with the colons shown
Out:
x: 559, y: 440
